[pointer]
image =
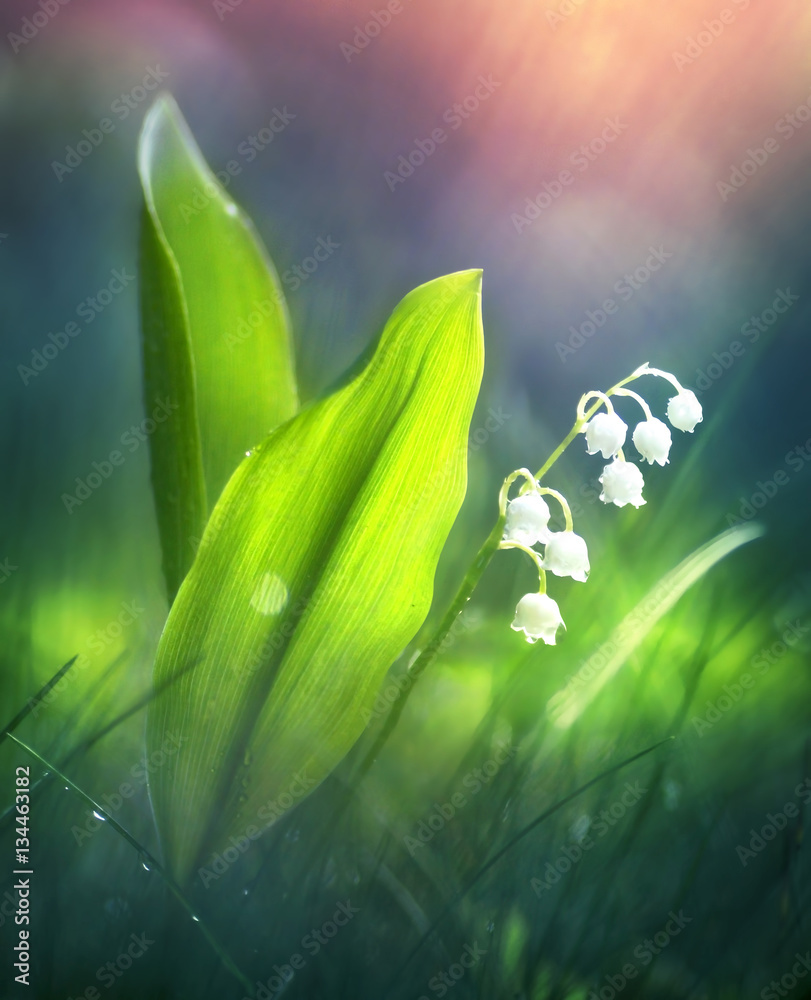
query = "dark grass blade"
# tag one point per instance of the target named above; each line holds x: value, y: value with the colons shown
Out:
x: 149, y: 858
x: 32, y: 703
x: 512, y: 843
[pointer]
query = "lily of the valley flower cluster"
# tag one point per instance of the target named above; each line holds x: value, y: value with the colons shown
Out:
x: 564, y: 552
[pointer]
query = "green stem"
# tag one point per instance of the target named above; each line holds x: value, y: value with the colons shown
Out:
x: 149, y: 858
x: 471, y: 580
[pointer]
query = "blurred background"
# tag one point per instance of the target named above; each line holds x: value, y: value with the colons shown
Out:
x: 633, y: 178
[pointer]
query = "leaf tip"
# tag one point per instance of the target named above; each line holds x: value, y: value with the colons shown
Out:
x: 470, y: 280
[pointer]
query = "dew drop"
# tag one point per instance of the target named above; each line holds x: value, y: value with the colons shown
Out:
x: 195, y: 918
x: 248, y: 758
x: 145, y: 864
x: 491, y: 927
x: 99, y: 816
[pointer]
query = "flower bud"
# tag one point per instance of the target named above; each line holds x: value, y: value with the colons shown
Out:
x: 538, y: 617
x: 652, y: 440
x: 622, y: 483
x: 527, y: 519
x: 684, y: 411
x: 566, y: 554
x: 605, y: 433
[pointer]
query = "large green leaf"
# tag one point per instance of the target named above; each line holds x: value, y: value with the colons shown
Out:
x: 315, y: 570
x: 215, y: 333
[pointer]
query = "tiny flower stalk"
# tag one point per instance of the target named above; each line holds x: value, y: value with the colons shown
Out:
x: 683, y: 410
x: 651, y: 437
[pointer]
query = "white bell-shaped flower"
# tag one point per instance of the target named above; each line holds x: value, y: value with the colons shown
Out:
x: 622, y: 484
x: 684, y: 411
x: 605, y: 433
x: 538, y: 617
x: 652, y: 439
x: 527, y: 520
x: 566, y: 554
